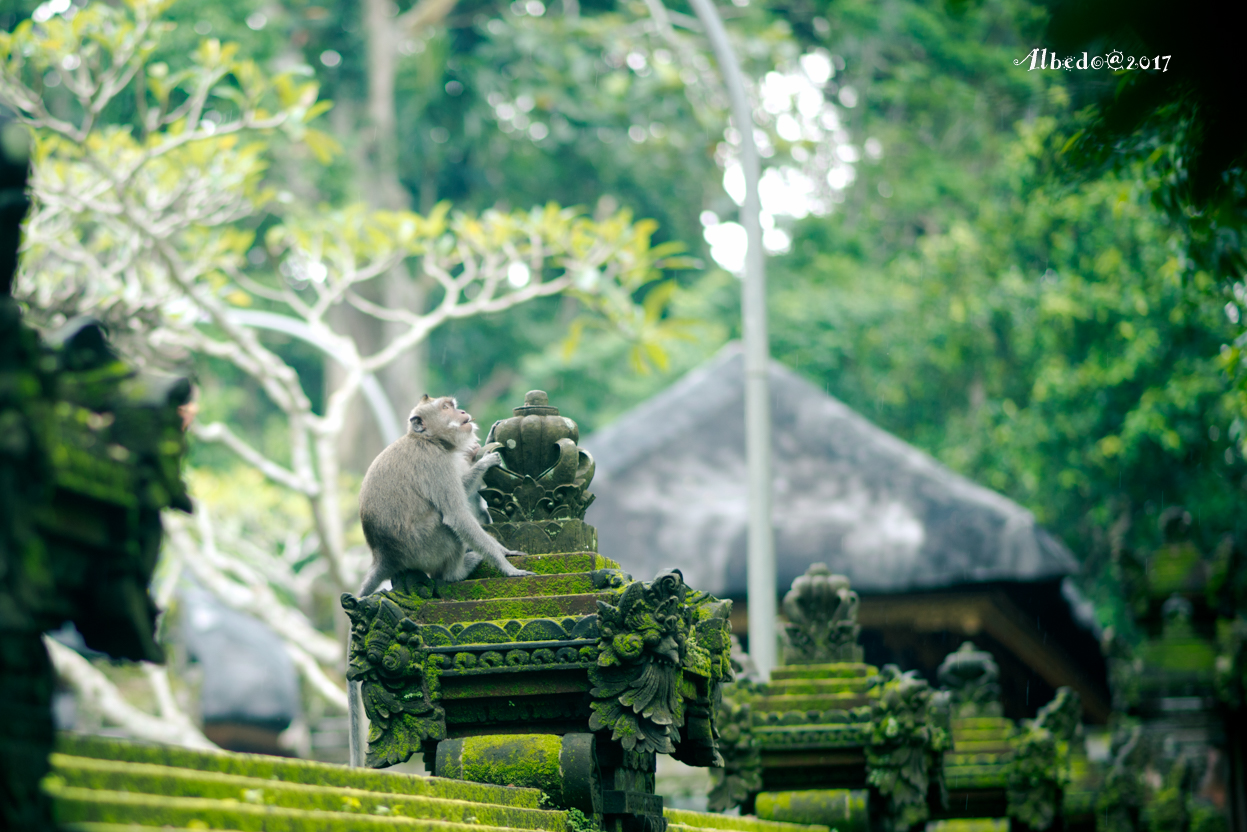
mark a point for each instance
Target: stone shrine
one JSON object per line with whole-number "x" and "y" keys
{"x": 570, "y": 680}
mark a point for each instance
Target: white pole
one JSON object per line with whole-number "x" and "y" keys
{"x": 761, "y": 545}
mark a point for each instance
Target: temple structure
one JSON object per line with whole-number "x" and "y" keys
{"x": 937, "y": 559}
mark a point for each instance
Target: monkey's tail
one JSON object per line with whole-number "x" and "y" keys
{"x": 355, "y": 741}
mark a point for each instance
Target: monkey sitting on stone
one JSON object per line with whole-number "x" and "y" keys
{"x": 418, "y": 503}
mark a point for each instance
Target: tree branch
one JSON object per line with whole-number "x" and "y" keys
{"x": 94, "y": 687}
{"x": 219, "y": 432}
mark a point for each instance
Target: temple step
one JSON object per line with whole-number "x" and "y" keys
{"x": 680, "y": 820}
{"x": 78, "y": 774}
{"x": 571, "y": 583}
{"x": 558, "y": 564}
{"x": 74, "y": 808}
{"x": 507, "y": 609}
{"x": 287, "y": 770}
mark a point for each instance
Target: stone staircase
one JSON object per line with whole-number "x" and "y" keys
{"x": 106, "y": 785}
{"x": 102, "y": 785}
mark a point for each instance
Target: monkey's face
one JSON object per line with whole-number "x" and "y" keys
{"x": 443, "y": 417}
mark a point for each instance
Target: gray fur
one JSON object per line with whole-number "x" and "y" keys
{"x": 418, "y": 503}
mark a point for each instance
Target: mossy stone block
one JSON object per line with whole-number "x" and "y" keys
{"x": 848, "y": 670}
{"x": 577, "y": 583}
{"x": 845, "y": 810}
{"x": 293, "y": 771}
{"x": 145, "y": 778}
{"x": 678, "y": 819}
{"x": 454, "y": 612}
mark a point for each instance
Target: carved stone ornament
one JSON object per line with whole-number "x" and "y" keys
{"x": 652, "y": 666}
{"x": 909, "y": 735}
{"x": 973, "y": 678}
{"x": 389, "y": 658}
{"x": 822, "y": 616}
{"x": 1040, "y": 768}
{"x": 546, "y": 473}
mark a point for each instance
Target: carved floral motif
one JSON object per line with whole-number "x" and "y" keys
{"x": 661, "y": 660}
{"x": 389, "y": 659}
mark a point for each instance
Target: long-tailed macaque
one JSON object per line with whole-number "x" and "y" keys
{"x": 418, "y": 503}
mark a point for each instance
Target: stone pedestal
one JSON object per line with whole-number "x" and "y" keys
{"x": 570, "y": 680}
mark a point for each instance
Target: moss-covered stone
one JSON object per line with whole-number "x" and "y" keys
{"x": 969, "y": 825}
{"x": 530, "y": 760}
{"x": 682, "y": 819}
{"x": 452, "y": 612}
{"x": 294, "y": 771}
{"x": 845, "y": 810}
{"x": 74, "y": 805}
{"x": 818, "y": 702}
{"x": 576, "y": 583}
{"x": 813, "y": 687}
{"x": 550, "y": 564}
{"x": 145, "y": 778}
{"x": 824, "y": 671}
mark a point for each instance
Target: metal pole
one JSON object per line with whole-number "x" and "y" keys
{"x": 761, "y": 545}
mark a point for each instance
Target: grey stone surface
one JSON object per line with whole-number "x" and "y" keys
{"x": 248, "y": 676}
{"x": 671, "y": 492}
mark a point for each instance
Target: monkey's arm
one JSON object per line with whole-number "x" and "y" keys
{"x": 474, "y": 477}
{"x": 458, "y": 516}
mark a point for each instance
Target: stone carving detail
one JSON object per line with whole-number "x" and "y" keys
{"x": 973, "y": 678}
{"x": 822, "y": 615}
{"x": 546, "y": 475}
{"x": 390, "y": 659}
{"x": 1040, "y": 768}
{"x": 909, "y": 734}
{"x": 651, "y": 668}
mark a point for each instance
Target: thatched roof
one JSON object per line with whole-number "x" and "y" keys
{"x": 671, "y": 492}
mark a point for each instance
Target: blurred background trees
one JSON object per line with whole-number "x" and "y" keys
{"x": 993, "y": 263}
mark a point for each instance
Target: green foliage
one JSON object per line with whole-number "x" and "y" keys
{"x": 578, "y": 821}
{"x": 1057, "y": 345}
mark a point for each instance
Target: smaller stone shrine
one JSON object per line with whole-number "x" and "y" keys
{"x": 830, "y": 739}
{"x": 570, "y": 680}
{"x": 994, "y": 768}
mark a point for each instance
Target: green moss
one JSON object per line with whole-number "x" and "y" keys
{"x": 807, "y": 687}
{"x": 576, "y": 583}
{"x": 969, "y": 825}
{"x": 451, "y": 612}
{"x": 292, "y": 771}
{"x": 73, "y": 806}
{"x": 844, "y": 809}
{"x": 106, "y": 776}
{"x": 530, "y": 760}
{"x": 818, "y": 702}
{"x": 681, "y": 820}
{"x": 844, "y": 670}
{"x": 550, "y": 564}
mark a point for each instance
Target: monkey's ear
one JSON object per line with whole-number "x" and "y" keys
{"x": 417, "y": 423}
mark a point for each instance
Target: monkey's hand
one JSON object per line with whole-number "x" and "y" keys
{"x": 515, "y": 571}
{"x": 491, "y": 459}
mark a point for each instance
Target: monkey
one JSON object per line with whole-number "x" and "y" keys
{"x": 418, "y": 503}
{"x": 420, "y": 509}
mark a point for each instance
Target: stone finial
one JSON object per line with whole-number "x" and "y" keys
{"x": 822, "y": 616}
{"x": 973, "y": 678}
{"x": 537, "y": 499}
